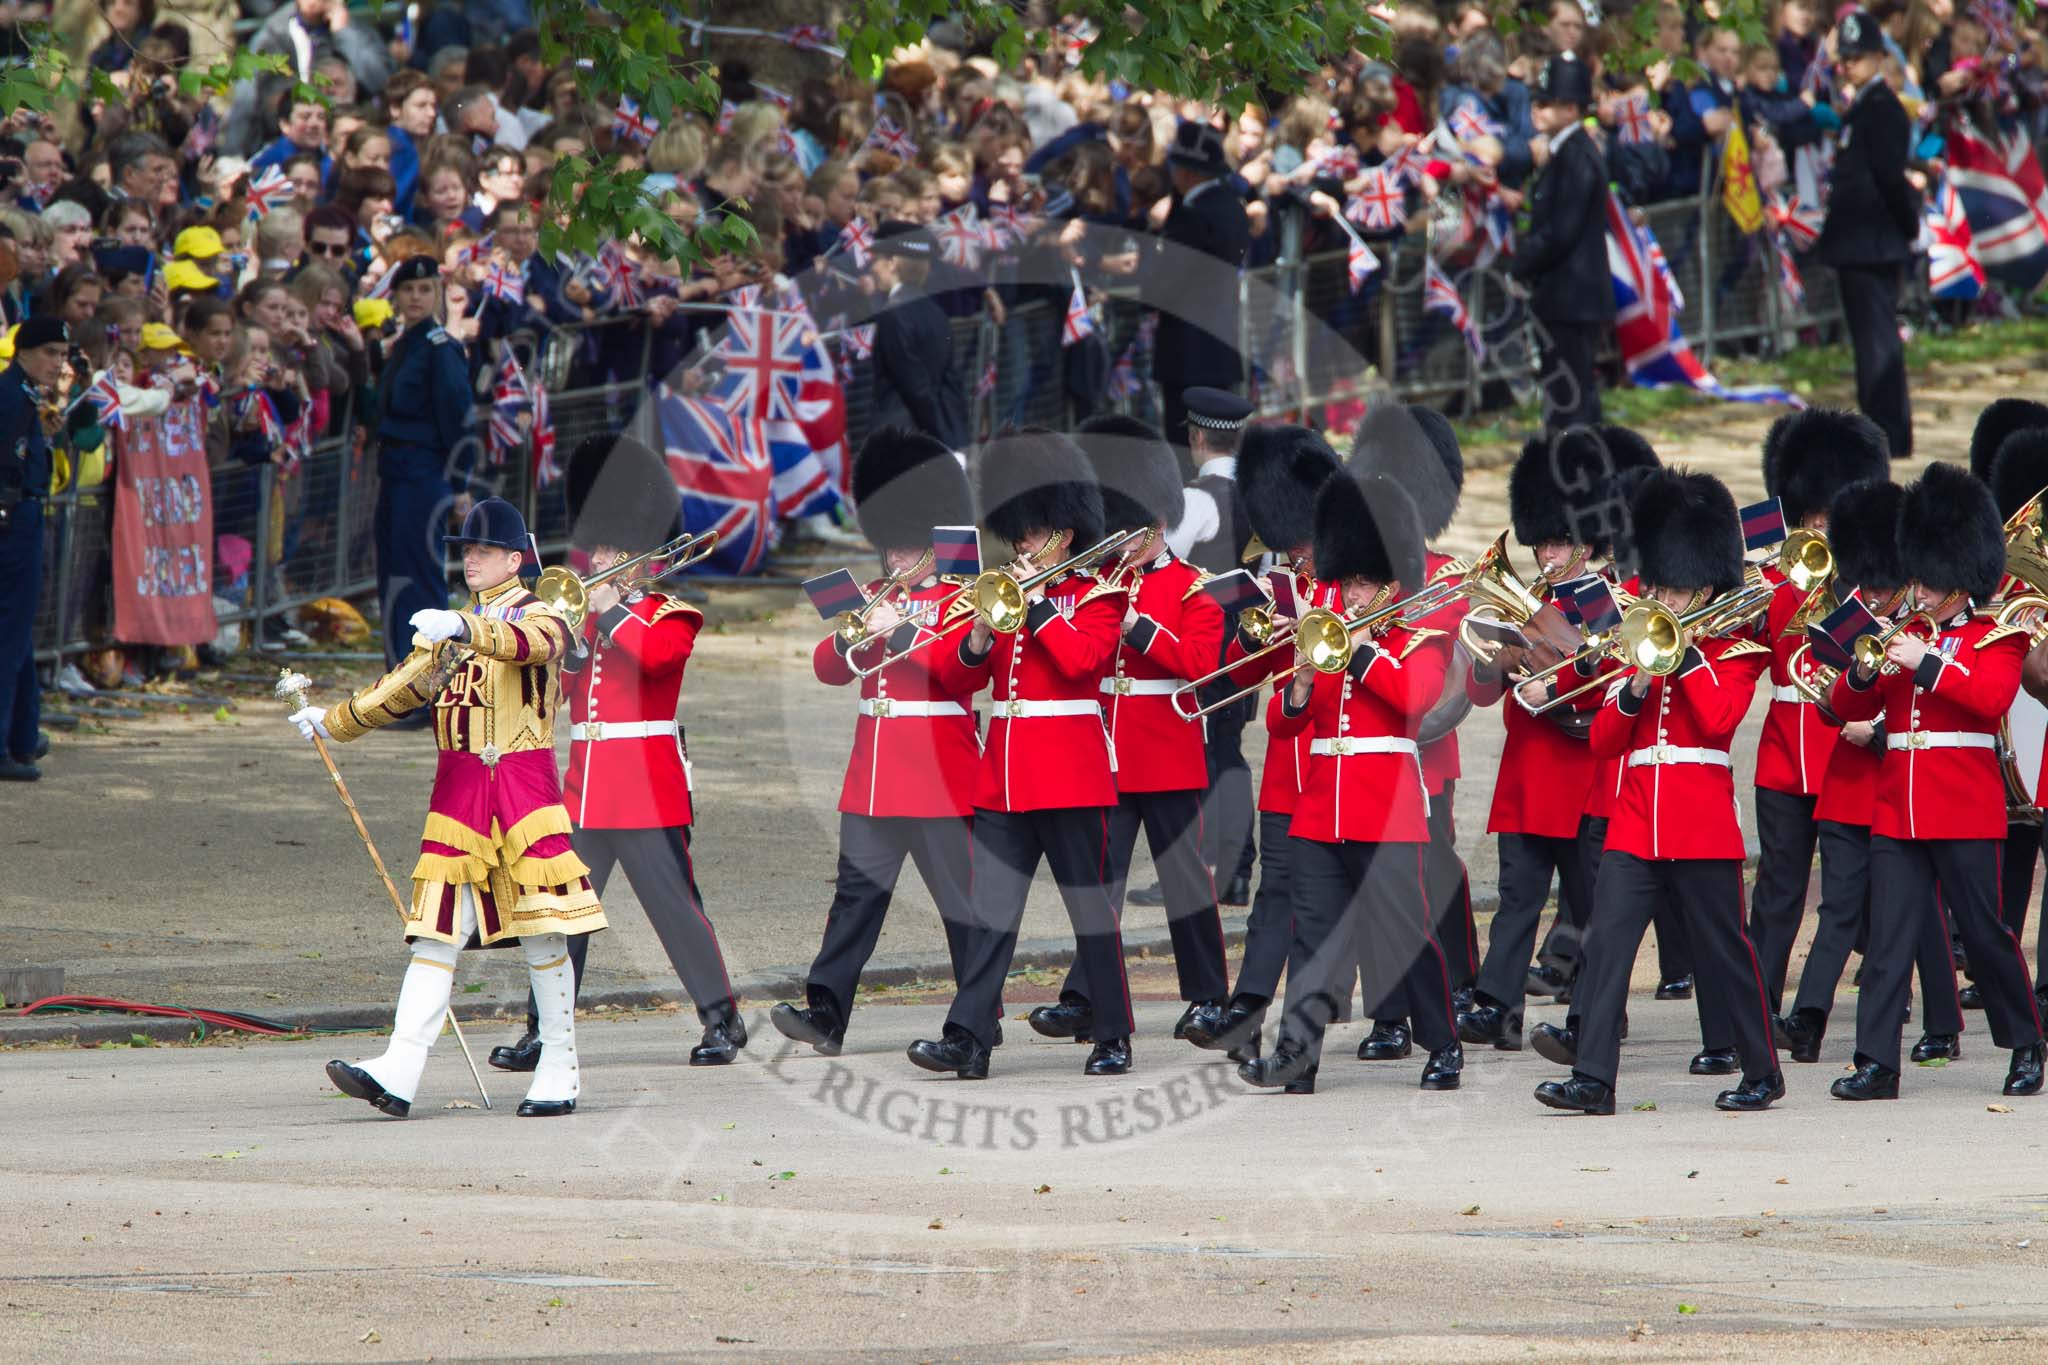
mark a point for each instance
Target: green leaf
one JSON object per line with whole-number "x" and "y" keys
{"x": 1646, "y": 1106}
{"x": 141, "y": 1040}
{"x": 1687, "y": 1308}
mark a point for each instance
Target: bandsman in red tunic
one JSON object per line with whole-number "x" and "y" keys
{"x": 1172, "y": 630}
{"x": 496, "y": 863}
{"x": 1674, "y": 837}
{"x": 1046, "y": 784}
{"x": 628, "y": 788}
{"x": 1863, "y": 533}
{"x": 1809, "y": 457}
{"x": 1280, "y": 470}
{"x": 909, "y": 789}
{"x": 1940, "y": 814}
{"x": 1362, "y": 822}
{"x": 1415, "y": 446}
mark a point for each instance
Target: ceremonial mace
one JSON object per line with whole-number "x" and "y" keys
{"x": 291, "y": 689}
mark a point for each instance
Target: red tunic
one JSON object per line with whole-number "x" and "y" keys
{"x": 1606, "y": 771}
{"x": 1947, "y": 784}
{"x": 1677, "y": 797}
{"x": 1440, "y": 757}
{"x": 1048, "y": 747}
{"x": 1793, "y": 754}
{"x": 1848, "y": 793}
{"x": 631, "y": 677}
{"x": 1177, "y": 637}
{"x": 1286, "y": 766}
{"x": 915, "y": 750}
{"x": 1545, "y": 774}
{"x": 1370, "y": 793}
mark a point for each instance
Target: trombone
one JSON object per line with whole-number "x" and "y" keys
{"x": 852, "y": 626}
{"x": 1324, "y": 636}
{"x": 567, "y": 593}
{"x": 1807, "y": 562}
{"x": 1653, "y": 639}
{"x": 998, "y": 600}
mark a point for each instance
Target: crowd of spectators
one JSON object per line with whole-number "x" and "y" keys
{"x": 151, "y": 224}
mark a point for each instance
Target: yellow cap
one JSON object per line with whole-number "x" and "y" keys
{"x": 200, "y": 243}
{"x": 372, "y": 312}
{"x": 157, "y": 337}
{"x": 7, "y": 341}
{"x": 185, "y": 275}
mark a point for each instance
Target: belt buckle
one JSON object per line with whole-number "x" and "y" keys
{"x": 881, "y": 708}
{"x": 1662, "y": 753}
{"x": 1121, "y": 686}
{"x": 490, "y": 755}
{"x": 1340, "y": 747}
{"x": 593, "y": 730}
{"x": 1916, "y": 739}
{"x": 1013, "y": 709}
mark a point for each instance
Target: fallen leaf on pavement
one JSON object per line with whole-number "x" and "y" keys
{"x": 1998, "y": 1108}
{"x": 370, "y": 1337}
{"x": 1469, "y": 1212}
{"x": 1646, "y": 1106}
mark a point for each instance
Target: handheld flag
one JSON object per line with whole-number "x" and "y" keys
{"x": 1834, "y": 640}
{"x": 1439, "y": 295}
{"x": 268, "y": 190}
{"x": 1738, "y": 181}
{"x": 1079, "y": 326}
{"x": 834, "y": 593}
{"x": 1763, "y": 524}
{"x": 957, "y": 550}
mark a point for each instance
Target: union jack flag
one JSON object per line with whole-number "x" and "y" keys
{"x": 1405, "y": 167}
{"x": 785, "y": 142}
{"x": 631, "y": 124}
{"x": 1008, "y": 225}
{"x": 1800, "y": 223}
{"x": 466, "y": 254}
{"x": 722, "y": 467}
{"x": 961, "y": 237}
{"x": 1360, "y": 264}
{"x": 620, "y": 274}
{"x": 2005, "y": 201}
{"x": 1341, "y": 162}
{"x": 1079, "y": 326}
{"x": 806, "y": 37}
{"x": 1439, "y": 295}
{"x": 504, "y": 282}
{"x": 1996, "y": 17}
{"x": 764, "y": 355}
{"x": 268, "y": 190}
{"x": 546, "y": 469}
{"x": 986, "y": 385}
{"x": 857, "y": 240}
{"x": 1952, "y": 268}
{"x": 1632, "y": 118}
{"x": 1788, "y": 272}
{"x": 1470, "y": 122}
{"x": 1074, "y": 36}
{"x": 1380, "y": 204}
{"x": 1123, "y": 376}
{"x": 892, "y": 138}
{"x": 264, "y": 408}
{"x": 726, "y": 110}
{"x": 107, "y": 398}
{"x": 511, "y": 399}
{"x": 860, "y": 341}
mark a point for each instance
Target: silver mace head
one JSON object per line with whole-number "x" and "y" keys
{"x": 292, "y": 686}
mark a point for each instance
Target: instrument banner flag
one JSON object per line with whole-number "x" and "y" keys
{"x": 1598, "y": 610}
{"x": 956, "y": 551}
{"x": 1235, "y": 591}
{"x": 1834, "y": 640}
{"x": 834, "y": 593}
{"x": 1763, "y": 524}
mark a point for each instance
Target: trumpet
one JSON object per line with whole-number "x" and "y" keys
{"x": 999, "y": 601}
{"x": 852, "y": 626}
{"x": 1807, "y": 562}
{"x": 568, "y": 593}
{"x": 1653, "y": 639}
{"x": 1324, "y": 637}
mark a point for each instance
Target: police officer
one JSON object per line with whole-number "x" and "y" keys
{"x": 916, "y": 383}
{"x": 1562, "y": 255}
{"x": 1197, "y": 343}
{"x": 1870, "y": 227}
{"x": 40, "y": 345}
{"x": 423, "y": 412}
{"x": 1213, "y": 534}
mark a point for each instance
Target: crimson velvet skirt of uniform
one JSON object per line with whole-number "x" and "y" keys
{"x": 502, "y": 831}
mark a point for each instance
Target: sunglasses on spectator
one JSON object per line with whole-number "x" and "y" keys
{"x": 327, "y": 248}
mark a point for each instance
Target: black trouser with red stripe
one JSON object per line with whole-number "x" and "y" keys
{"x": 1450, "y": 903}
{"x": 1786, "y": 835}
{"x": 871, "y": 854}
{"x": 1527, "y": 864}
{"x": 1008, "y": 846}
{"x": 1173, "y": 831}
{"x": 1364, "y": 902}
{"x": 1708, "y": 894}
{"x": 1904, "y": 876}
{"x": 657, "y": 863}
{"x": 1561, "y": 945}
{"x": 1844, "y": 917}
{"x": 1269, "y": 928}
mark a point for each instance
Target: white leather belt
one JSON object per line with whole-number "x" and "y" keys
{"x": 622, "y": 729}
{"x": 1792, "y": 695}
{"x": 882, "y": 708}
{"x": 1940, "y": 739}
{"x": 1141, "y": 687}
{"x": 1345, "y": 745}
{"x": 1021, "y": 710}
{"x": 1658, "y": 754}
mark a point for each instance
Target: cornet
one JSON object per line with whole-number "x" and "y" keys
{"x": 567, "y": 594}
{"x": 1653, "y": 639}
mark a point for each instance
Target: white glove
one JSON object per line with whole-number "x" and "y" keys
{"x": 309, "y": 722}
{"x": 437, "y": 625}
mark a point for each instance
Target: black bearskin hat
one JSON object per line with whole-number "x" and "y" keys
{"x": 1631, "y": 458}
{"x": 1688, "y": 533}
{"x": 1563, "y": 487}
{"x": 620, "y": 494}
{"x": 2020, "y": 469}
{"x": 1280, "y": 468}
{"x": 1031, "y": 479}
{"x": 1950, "y": 533}
{"x": 1415, "y": 447}
{"x": 1367, "y": 527}
{"x": 1811, "y": 455}
{"x": 904, "y": 484}
{"x": 1138, "y": 471}
{"x": 1863, "y": 531}
{"x": 2001, "y": 418}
